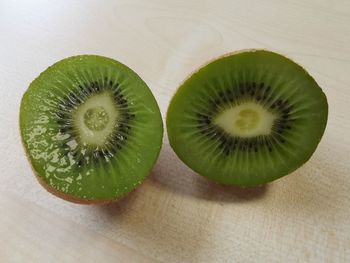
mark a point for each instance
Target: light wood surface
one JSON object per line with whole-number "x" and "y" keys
{"x": 176, "y": 215}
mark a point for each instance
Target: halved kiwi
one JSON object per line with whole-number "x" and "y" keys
{"x": 91, "y": 128}
{"x": 247, "y": 118}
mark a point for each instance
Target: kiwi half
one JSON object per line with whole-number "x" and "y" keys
{"x": 91, "y": 128}
{"x": 247, "y": 118}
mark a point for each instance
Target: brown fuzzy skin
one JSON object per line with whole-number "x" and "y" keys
{"x": 64, "y": 196}
{"x": 223, "y": 56}
{"x": 210, "y": 61}
{"x": 207, "y": 63}
{"x": 227, "y": 55}
{"x": 71, "y": 198}
{"x": 67, "y": 197}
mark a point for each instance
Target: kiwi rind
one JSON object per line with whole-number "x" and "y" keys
{"x": 186, "y": 151}
{"x": 152, "y": 107}
{"x": 68, "y": 197}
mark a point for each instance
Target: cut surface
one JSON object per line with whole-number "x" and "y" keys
{"x": 96, "y": 118}
{"x": 91, "y": 128}
{"x": 247, "y": 118}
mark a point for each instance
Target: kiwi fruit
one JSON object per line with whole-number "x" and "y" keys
{"x": 247, "y": 118}
{"x": 91, "y": 129}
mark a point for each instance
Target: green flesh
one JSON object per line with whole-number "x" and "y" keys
{"x": 247, "y": 118}
{"x": 91, "y": 128}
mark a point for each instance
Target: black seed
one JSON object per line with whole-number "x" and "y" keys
{"x": 88, "y": 89}
{"x": 69, "y": 129}
{"x": 231, "y": 98}
{"x": 85, "y": 92}
{"x": 127, "y": 116}
{"x": 74, "y": 99}
{"x": 61, "y": 122}
{"x": 212, "y": 134}
{"x": 112, "y": 151}
{"x": 283, "y": 120}
{"x": 229, "y": 143}
{"x": 80, "y": 162}
{"x": 116, "y": 87}
{"x": 223, "y": 141}
{"x": 123, "y": 106}
{"x": 199, "y": 115}
{"x": 60, "y": 115}
{"x": 67, "y": 103}
{"x": 95, "y": 155}
{"x": 270, "y": 149}
{"x": 203, "y": 121}
{"x": 109, "y": 153}
{"x": 116, "y": 93}
{"x": 232, "y": 147}
{"x": 202, "y": 131}
{"x": 255, "y": 149}
{"x": 93, "y": 87}
{"x": 97, "y": 86}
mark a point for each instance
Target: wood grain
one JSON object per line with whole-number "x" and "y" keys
{"x": 176, "y": 215}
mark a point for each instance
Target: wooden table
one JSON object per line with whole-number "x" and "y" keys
{"x": 176, "y": 215}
